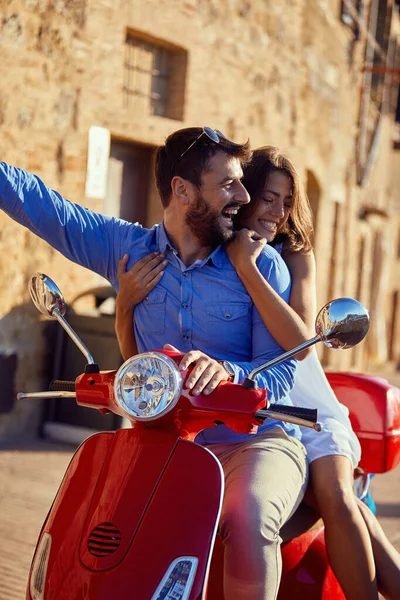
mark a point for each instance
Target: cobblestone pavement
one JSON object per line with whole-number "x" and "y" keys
{"x": 29, "y": 479}
{"x": 30, "y": 476}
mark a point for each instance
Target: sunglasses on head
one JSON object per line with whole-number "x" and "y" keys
{"x": 213, "y": 134}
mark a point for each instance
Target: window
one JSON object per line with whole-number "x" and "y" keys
{"x": 154, "y": 77}
{"x": 379, "y": 58}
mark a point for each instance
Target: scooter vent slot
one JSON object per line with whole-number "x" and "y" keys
{"x": 104, "y": 540}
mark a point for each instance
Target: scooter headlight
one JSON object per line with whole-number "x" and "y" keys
{"x": 148, "y": 386}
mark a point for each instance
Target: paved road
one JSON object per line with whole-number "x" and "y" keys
{"x": 30, "y": 476}
{"x": 29, "y": 479}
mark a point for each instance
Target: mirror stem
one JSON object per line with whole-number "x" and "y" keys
{"x": 75, "y": 338}
{"x": 249, "y": 383}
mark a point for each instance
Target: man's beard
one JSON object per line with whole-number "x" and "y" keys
{"x": 205, "y": 224}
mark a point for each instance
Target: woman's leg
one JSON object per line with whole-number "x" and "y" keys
{"x": 347, "y": 539}
{"x": 265, "y": 480}
{"x": 387, "y": 559}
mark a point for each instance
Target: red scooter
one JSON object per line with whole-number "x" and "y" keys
{"x": 131, "y": 518}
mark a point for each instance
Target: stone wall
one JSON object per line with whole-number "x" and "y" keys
{"x": 286, "y": 73}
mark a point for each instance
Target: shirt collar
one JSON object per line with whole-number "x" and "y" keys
{"x": 163, "y": 242}
{"x": 216, "y": 257}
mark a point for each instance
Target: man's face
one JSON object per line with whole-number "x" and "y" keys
{"x": 221, "y": 195}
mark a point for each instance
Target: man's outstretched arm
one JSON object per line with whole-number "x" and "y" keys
{"x": 90, "y": 239}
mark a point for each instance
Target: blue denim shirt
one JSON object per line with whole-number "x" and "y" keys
{"x": 204, "y": 306}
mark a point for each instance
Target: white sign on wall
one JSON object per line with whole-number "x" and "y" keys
{"x": 97, "y": 164}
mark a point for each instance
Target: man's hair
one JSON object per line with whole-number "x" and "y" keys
{"x": 298, "y": 229}
{"x": 191, "y": 166}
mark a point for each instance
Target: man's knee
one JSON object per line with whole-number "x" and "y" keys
{"x": 249, "y": 518}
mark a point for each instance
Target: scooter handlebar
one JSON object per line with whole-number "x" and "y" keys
{"x": 305, "y": 417}
{"x": 60, "y": 385}
{"x": 310, "y": 414}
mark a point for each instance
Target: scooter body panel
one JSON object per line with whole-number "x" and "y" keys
{"x": 151, "y": 502}
{"x": 127, "y": 481}
{"x": 306, "y": 574}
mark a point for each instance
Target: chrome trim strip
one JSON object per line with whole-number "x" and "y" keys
{"x": 203, "y": 596}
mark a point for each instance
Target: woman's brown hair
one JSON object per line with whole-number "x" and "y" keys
{"x": 297, "y": 232}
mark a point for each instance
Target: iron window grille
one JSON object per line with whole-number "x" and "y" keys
{"x": 154, "y": 77}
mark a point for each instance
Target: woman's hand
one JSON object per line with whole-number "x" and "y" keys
{"x": 245, "y": 248}
{"x": 140, "y": 279}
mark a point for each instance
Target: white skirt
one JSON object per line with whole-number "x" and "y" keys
{"x": 312, "y": 390}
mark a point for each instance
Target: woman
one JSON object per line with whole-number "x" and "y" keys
{"x": 279, "y": 213}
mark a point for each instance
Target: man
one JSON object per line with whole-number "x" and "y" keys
{"x": 202, "y": 308}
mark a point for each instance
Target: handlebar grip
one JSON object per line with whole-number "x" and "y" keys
{"x": 309, "y": 414}
{"x": 60, "y": 385}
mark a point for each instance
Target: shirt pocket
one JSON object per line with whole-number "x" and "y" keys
{"x": 230, "y": 320}
{"x": 153, "y": 309}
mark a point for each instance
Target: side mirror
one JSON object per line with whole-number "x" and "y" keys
{"x": 46, "y": 296}
{"x": 50, "y": 302}
{"x": 340, "y": 324}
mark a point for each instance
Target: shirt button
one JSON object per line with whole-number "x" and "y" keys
{"x": 227, "y": 316}
{"x": 185, "y": 274}
{"x": 185, "y": 337}
{"x": 184, "y": 305}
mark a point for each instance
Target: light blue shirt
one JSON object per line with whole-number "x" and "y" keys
{"x": 204, "y": 306}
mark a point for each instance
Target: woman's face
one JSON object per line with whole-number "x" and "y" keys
{"x": 273, "y": 208}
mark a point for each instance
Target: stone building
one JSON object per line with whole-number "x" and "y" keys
{"x": 89, "y": 89}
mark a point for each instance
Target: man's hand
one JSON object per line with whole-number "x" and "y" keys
{"x": 206, "y": 374}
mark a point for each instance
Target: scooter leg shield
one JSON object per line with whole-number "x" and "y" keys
{"x": 143, "y": 528}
